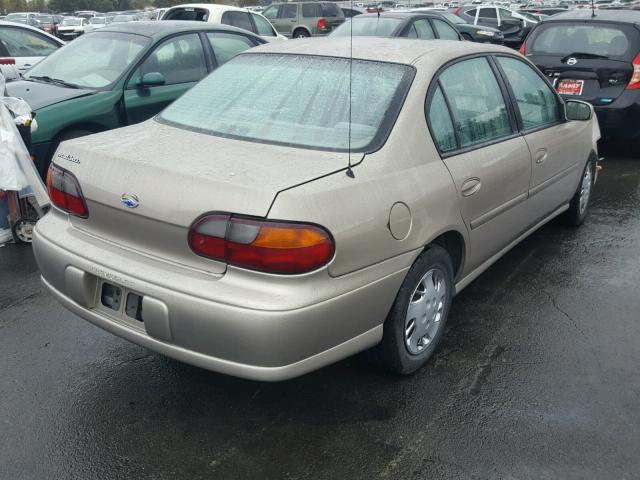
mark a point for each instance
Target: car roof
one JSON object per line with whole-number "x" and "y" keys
{"x": 398, "y": 15}
{"x": 208, "y": 6}
{"x": 162, "y": 28}
{"x": 622, "y": 16}
{"x": 396, "y": 50}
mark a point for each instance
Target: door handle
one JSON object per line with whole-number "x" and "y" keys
{"x": 470, "y": 186}
{"x": 541, "y": 156}
{"x": 25, "y": 66}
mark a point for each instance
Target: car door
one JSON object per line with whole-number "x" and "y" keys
{"x": 557, "y": 147}
{"x": 25, "y": 46}
{"x": 287, "y": 18}
{"x": 488, "y": 16}
{"x": 180, "y": 60}
{"x": 474, "y": 128}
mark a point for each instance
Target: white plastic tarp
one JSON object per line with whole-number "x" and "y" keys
{"x": 17, "y": 170}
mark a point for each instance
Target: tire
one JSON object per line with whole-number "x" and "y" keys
{"x": 466, "y": 37}
{"x": 301, "y": 33}
{"x": 579, "y": 206}
{"x": 399, "y": 353}
{"x": 23, "y": 229}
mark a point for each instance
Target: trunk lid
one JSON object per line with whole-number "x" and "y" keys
{"x": 589, "y": 60}
{"x": 174, "y": 176}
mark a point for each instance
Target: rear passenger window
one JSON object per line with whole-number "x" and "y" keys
{"x": 311, "y": 10}
{"x": 441, "y": 125}
{"x": 445, "y": 31}
{"x": 536, "y": 101}
{"x": 423, "y": 29}
{"x": 264, "y": 27}
{"x": 488, "y": 13}
{"x": 237, "y": 19}
{"x": 289, "y": 11}
{"x": 226, "y": 45}
{"x": 271, "y": 13}
{"x": 477, "y": 105}
{"x": 330, "y": 10}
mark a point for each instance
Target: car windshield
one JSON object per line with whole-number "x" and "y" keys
{"x": 296, "y": 100}
{"x": 453, "y": 18}
{"x": 596, "y": 39}
{"x": 71, "y": 22}
{"x": 368, "y": 27}
{"x": 94, "y": 60}
{"x": 123, "y": 18}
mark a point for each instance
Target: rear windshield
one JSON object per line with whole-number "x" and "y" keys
{"x": 368, "y": 27}
{"x": 296, "y": 100}
{"x": 197, "y": 14}
{"x": 607, "y": 40}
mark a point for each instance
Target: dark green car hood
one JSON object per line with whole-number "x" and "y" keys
{"x": 40, "y": 95}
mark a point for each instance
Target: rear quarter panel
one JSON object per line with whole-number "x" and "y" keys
{"x": 356, "y": 211}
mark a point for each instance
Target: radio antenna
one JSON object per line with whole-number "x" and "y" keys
{"x": 349, "y": 169}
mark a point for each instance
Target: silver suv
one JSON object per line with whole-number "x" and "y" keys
{"x": 304, "y": 19}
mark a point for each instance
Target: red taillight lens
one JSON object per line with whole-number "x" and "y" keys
{"x": 523, "y": 48}
{"x": 322, "y": 24}
{"x": 634, "y": 83}
{"x": 7, "y": 61}
{"x": 65, "y": 193}
{"x": 264, "y": 245}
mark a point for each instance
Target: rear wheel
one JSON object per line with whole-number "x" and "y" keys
{"x": 301, "y": 33}
{"x": 579, "y": 206}
{"x": 418, "y": 316}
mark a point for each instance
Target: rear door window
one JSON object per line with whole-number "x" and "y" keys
{"x": 271, "y": 13}
{"x": 606, "y": 40}
{"x": 237, "y": 19}
{"x": 441, "y": 124}
{"x": 227, "y": 45}
{"x": 289, "y": 10}
{"x": 311, "y": 10}
{"x": 537, "y": 103}
{"x": 488, "y": 13}
{"x": 445, "y": 31}
{"x": 186, "y": 13}
{"x": 477, "y": 105}
{"x": 423, "y": 29}
{"x": 264, "y": 27}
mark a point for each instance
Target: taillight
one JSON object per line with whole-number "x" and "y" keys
{"x": 263, "y": 245}
{"x": 7, "y": 61}
{"x": 523, "y": 48}
{"x": 65, "y": 193}
{"x": 322, "y": 24}
{"x": 634, "y": 83}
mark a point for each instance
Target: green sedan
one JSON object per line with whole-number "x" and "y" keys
{"x": 121, "y": 75}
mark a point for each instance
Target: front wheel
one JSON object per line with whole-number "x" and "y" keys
{"x": 579, "y": 206}
{"x": 418, "y": 316}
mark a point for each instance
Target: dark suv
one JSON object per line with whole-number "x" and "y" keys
{"x": 595, "y": 59}
{"x": 304, "y": 19}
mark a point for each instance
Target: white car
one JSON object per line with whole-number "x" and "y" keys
{"x": 22, "y": 46}
{"x": 71, "y": 27}
{"x": 227, "y": 15}
{"x": 95, "y": 23}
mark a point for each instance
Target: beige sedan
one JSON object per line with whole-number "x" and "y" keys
{"x": 297, "y": 207}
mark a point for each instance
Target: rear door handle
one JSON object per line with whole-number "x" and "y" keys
{"x": 541, "y": 155}
{"x": 470, "y": 186}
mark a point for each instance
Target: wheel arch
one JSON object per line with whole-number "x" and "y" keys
{"x": 455, "y": 245}
{"x": 300, "y": 27}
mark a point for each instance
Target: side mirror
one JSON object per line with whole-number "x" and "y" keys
{"x": 151, "y": 79}
{"x": 578, "y": 110}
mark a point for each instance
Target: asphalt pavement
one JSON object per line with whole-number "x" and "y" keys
{"x": 536, "y": 378}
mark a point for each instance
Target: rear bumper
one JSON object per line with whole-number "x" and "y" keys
{"x": 260, "y": 327}
{"x": 621, "y": 119}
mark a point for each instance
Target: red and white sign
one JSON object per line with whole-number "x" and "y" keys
{"x": 570, "y": 87}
